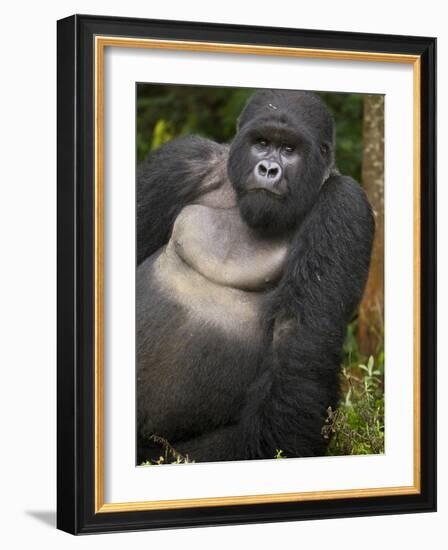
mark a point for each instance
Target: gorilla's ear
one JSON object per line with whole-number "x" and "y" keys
{"x": 327, "y": 151}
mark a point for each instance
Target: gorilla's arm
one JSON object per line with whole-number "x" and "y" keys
{"x": 323, "y": 283}
{"x": 169, "y": 178}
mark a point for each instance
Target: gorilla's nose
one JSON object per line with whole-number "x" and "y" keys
{"x": 268, "y": 172}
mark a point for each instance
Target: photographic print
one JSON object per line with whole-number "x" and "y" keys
{"x": 259, "y": 280}
{"x": 246, "y": 274}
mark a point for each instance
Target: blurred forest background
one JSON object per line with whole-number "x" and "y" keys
{"x": 165, "y": 112}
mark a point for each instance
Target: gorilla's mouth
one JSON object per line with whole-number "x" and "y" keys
{"x": 268, "y": 213}
{"x": 277, "y": 194}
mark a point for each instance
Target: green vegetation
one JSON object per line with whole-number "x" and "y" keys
{"x": 347, "y": 110}
{"x": 357, "y": 426}
{"x": 168, "y": 111}
{"x": 170, "y": 454}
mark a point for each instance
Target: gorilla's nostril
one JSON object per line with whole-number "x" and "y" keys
{"x": 273, "y": 172}
{"x": 262, "y": 169}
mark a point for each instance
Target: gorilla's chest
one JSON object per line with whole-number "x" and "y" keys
{"x": 218, "y": 245}
{"x": 218, "y": 269}
{"x": 200, "y": 303}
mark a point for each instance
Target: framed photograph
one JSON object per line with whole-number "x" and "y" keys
{"x": 246, "y": 274}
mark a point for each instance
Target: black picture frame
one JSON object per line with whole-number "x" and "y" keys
{"x": 76, "y": 405}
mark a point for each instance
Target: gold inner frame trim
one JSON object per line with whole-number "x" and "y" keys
{"x": 101, "y": 42}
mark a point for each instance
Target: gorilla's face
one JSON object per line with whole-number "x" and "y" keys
{"x": 276, "y": 159}
{"x": 280, "y": 157}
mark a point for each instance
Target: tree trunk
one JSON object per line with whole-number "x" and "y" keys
{"x": 371, "y": 312}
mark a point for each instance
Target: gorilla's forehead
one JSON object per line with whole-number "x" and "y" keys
{"x": 298, "y": 110}
{"x": 282, "y": 127}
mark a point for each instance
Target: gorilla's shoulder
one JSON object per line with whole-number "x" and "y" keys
{"x": 188, "y": 149}
{"x": 181, "y": 169}
{"x": 343, "y": 192}
{"x": 170, "y": 177}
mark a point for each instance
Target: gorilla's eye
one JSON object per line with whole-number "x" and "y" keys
{"x": 262, "y": 143}
{"x": 288, "y": 149}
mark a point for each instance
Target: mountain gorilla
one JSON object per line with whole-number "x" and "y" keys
{"x": 251, "y": 260}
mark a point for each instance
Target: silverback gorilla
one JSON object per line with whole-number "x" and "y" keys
{"x": 251, "y": 260}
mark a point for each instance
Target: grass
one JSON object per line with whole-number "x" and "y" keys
{"x": 170, "y": 454}
{"x": 356, "y": 427}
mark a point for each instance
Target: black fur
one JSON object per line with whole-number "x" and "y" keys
{"x": 280, "y": 389}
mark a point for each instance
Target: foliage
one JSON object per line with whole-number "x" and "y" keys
{"x": 168, "y": 111}
{"x": 279, "y": 454}
{"x": 347, "y": 110}
{"x": 170, "y": 454}
{"x": 357, "y": 425}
